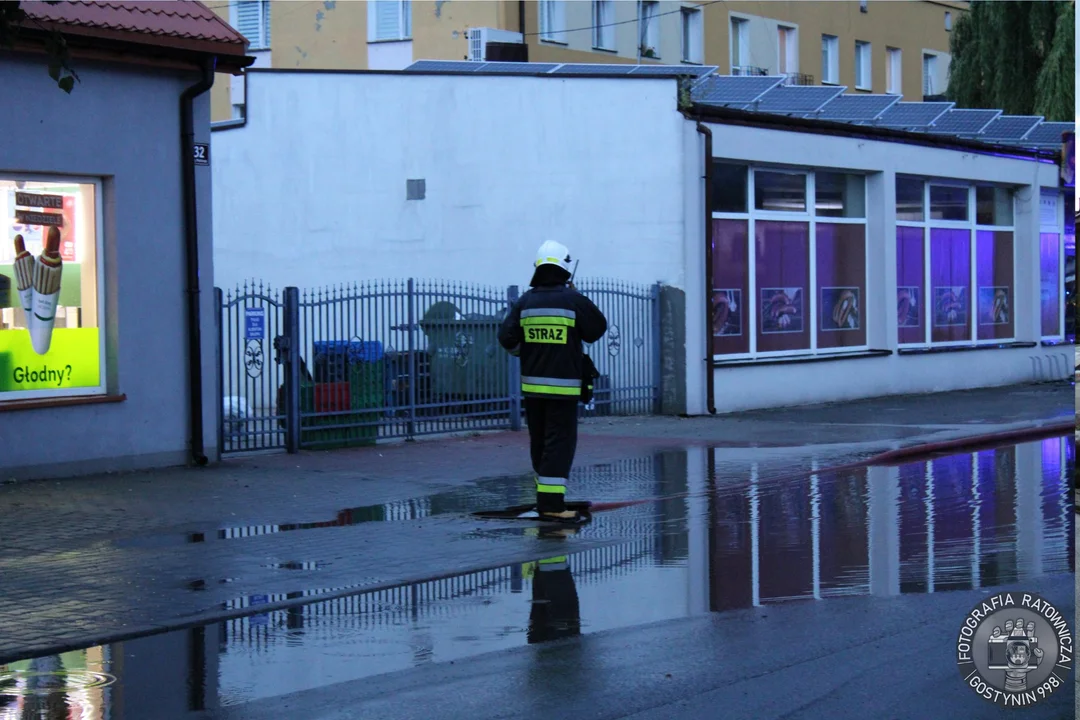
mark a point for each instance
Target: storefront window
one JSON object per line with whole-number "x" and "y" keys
{"x": 731, "y": 288}
{"x": 840, "y": 195}
{"x": 50, "y": 289}
{"x": 950, "y": 285}
{"x": 779, "y": 191}
{"x": 1070, "y": 277}
{"x": 841, "y": 285}
{"x": 1050, "y": 283}
{"x": 993, "y": 206}
{"x": 910, "y": 199}
{"x": 948, "y": 202}
{"x": 994, "y": 282}
{"x": 783, "y": 280}
{"x": 729, "y": 187}
{"x": 910, "y": 281}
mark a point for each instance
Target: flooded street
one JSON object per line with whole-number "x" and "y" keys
{"x": 718, "y": 546}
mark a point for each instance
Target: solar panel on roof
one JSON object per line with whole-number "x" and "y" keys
{"x": 1048, "y": 133}
{"x": 857, "y": 107}
{"x": 449, "y": 66}
{"x": 517, "y": 67}
{"x": 1010, "y": 127}
{"x": 695, "y": 70}
{"x": 963, "y": 122}
{"x": 593, "y": 69}
{"x": 731, "y": 90}
{"x": 913, "y": 114}
{"x": 786, "y": 100}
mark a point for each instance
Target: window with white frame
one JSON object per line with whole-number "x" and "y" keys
{"x": 789, "y": 262}
{"x": 1052, "y": 265}
{"x": 553, "y": 20}
{"x": 740, "y": 43}
{"x": 692, "y": 35}
{"x": 251, "y": 18}
{"x": 649, "y": 24}
{"x": 603, "y": 18}
{"x": 830, "y": 59}
{"x": 929, "y": 74}
{"x": 389, "y": 20}
{"x": 864, "y": 79}
{"x": 894, "y": 71}
{"x": 787, "y": 47}
{"x": 955, "y": 271}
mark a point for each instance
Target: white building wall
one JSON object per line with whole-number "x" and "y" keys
{"x": 312, "y": 190}
{"x": 777, "y": 385}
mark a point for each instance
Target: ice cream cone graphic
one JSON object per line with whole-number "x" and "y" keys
{"x": 47, "y": 272}
{"x": 24, "y": 277}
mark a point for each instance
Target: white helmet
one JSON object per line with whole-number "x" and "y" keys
{"x": 553, "y": 253}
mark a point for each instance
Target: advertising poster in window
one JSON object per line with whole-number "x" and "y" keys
{"x": 49, "y": 290}
{"x": 782, "y": 310}
{"x": 727, "y": 312}
{"x": 950, "y": 306}
{"x": 907, "y": 307}
{"x": 994, "y": 308}
{"x": 840, "y": 309}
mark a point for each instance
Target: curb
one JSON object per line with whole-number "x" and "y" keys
{"x": 971, "y": 443}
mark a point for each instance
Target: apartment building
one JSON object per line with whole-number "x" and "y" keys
{"x": 879, "y": 46}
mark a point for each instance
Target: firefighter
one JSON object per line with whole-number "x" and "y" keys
{"x": 546, "y": 328}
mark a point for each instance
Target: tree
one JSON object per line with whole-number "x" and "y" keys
{"x": 1017, "y": 56}
{"x": 13, "y": 20}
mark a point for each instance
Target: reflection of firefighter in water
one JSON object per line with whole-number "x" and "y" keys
{"x": 555, "y": 613}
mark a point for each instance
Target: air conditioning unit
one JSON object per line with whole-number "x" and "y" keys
{"x": 480, "y": 37}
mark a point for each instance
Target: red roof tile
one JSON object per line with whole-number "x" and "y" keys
{"x": 162, "y": 22}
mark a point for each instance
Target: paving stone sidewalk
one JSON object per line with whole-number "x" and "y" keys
{"x": 85, "y": 560}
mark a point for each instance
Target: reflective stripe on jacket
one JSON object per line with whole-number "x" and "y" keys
{"x": 546, "y": 328}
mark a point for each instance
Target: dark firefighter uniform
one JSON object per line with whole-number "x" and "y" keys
{"x": 555, "y": 613}
{"x": 546, "y": 328}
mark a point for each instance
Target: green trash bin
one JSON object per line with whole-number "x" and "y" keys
{"x": 466, "y": 358}
{"x": 366, "y": 392}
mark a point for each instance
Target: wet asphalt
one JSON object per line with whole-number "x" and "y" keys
{"x": 749, "y": 595}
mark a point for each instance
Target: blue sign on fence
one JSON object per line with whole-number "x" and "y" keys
{"x": 254, "y": 323}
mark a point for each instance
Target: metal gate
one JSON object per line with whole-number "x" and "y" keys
{"x": 351, "y": 365}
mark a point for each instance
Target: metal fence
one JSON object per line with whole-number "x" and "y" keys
{"x": 351, "y": 365}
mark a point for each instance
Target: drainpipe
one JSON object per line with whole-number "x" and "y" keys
{"x": 707, "y": 176}
{"x": 191, "y": 247}
{"x": 521, "y": 21}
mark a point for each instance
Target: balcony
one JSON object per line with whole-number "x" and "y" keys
{"x": 748, "y": 70}
{"x": 798, "y": 79}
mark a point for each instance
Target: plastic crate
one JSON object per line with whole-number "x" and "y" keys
{"x": 364, "y": 390}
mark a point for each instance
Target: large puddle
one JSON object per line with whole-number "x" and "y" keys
{"x": 952, "y": 523}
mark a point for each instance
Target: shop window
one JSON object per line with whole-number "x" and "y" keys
{"x": 731, "y": 288}
{"x": 779, "y": 191}
{"x": 948, "y": 202}
{"x": 782, "y": 281}
{"x": 910, "y": 282}
{"x": 950, "y": 285}
{"x": 840, "y": 195}
{"x": 1070, "y": 277}
{"x": 909, "y": 200}
{"x": 993, "y": 206}
{"x": 841, "y": 285}
{"x": 994, "y": 285}
{"x": 729, "y": 187}
{"x": 50, "y": 289}
{"x": 1050, "y": 283}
